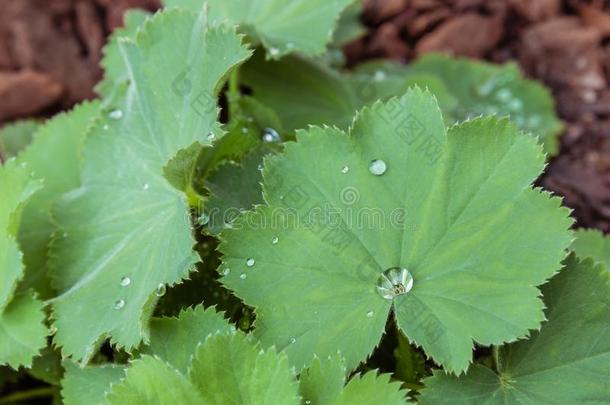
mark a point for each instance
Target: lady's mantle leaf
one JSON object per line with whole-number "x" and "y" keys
{"x": 455, "y": 211}
{"x": 226, "y": 370}
{"x": 567, "y": 362}
{"x": 15, "y": 137}
{"x": 175, "y": 339}
{"x": 22, "y": 332}
{"x": 283, "y": 26}
{"x": 89, "y": 385}
{"x": 127, "y": 229}
{"x": 592, "y": 243}
{"x": 323, "y": 384}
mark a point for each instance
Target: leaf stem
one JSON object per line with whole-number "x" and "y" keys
{"x": 26, "y": 395}
{"x": 495, "y": 352}
{"x": 233, "y": 93}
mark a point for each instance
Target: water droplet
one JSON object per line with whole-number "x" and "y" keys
{"x": 211, "y": 136}
{"x": 307, "y": 402}
{"x": 203, "y": 219}
{"x": 161, "y": 290}
{"x": 275, "y": 240}
{"x": 293, "y": 340}
{"x": 243, "y": 276}
{"x": 370, "y": 314}
{"x": 226, "y": 271}
{"x": 119, "y": 304}
{"x": 379, "y": 76}
{"x": 504, "y": 95}
{"x": 250, "y": 262}
{"x": 271, "y": 135}
{"x": 377, "y": 167}
{"x": 344, "y": 169}
{"x": 116, "y": 114}
{"x": 106, "y": 127}
{"x": 146, "y": 186}
{"x": 65, "y": 234}
{"x": 274, "y": 51}
{"x": 260, "y": 167}
{"x": 244, "y": 130}
{"x": 394, "y": 281}
{"x": 125, "y": 281}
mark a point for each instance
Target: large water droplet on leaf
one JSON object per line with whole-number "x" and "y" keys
{"x": 250, "y": 262}
{"x": 394, "y": 281}
{"x": 271, "y": 135}
{"x": 377, "y": 167}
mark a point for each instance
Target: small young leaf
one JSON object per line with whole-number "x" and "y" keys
{"x": 400, "y": 197}
{"x": 567, "y": 362}
{"x": 371, "y": 388}
{"x": 89, "y": 385}
{"x": 283, "y": 27}
{"x": 151, "y": 381}
{"x": 230, "y": 369}
{"x": 592, "y": 243}
{"x": 322, "y": 382}
{"x": 174, "y": 340}
{"x": 127, "y": 220}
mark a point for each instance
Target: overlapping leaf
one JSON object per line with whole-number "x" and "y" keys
{"x": 226, "y": 369}
{"x": 567, "y": 362}
{"x": 89, "y": 385}
{"x": 22, "y": 332}
{"x": 323, "y": 383}
{"x": 126, "y": 231}
{"x": 592, "y": 243}
{"x": 457, "y": 211}
{"x": 282, "y": 26}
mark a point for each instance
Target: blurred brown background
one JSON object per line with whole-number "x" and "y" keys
{"x": 50, "y": 52}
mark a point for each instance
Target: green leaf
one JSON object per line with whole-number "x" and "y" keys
{"x": 233, "y": 188}
{"x": 322, "y": 382}
{"x": 47, "y": 366}
{"x": 567, "y": 362}
{"x": 226, "y": 369}
{"x": 53, "y": 157}
{"x": 15, "y": 137}
{"x": 22, "y": 331}
{"x": 230, "y": 369}
{"x": 89, "y": 385}
{"x": 174, "y": 340}
{"x": 372, "y": 388}
{"x": 115, "y": 71}
{"x": 151, "y": 381}
{"x": 17, "y": 187}
{"x": 127, "y": 221}
{"x": 283, "y": 27}
{"x": 349, "y": 27}
{"x": 456, "y": 211}
{"x": 410, "y": 363}
{"x": 484, "y": 88}
{"x": 592, "y": 243}
{"x": 301, "y": 91}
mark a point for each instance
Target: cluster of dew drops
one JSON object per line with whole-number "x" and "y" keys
{"x": 126, "y": 282}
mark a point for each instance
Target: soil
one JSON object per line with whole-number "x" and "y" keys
{"x": 50, "y": 52}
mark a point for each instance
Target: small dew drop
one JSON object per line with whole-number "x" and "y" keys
{"x": 307, "y": 402}
{"x": 226, "y": 271}
{"x": 211, "y": 136}
{"x": 119, "y": 304}
{"x": 515, "y": 104}
{"x": 250, "y": 262}
{"x": 116, "y": 114}
{"x": 394, "y": 281}
{"x": 161, "y": 290}
{"x": 377, "y": 167}
{"x": 274, "y": 51}
{"x": 345, "y": 169}
{"x": 65, "y": 234}
{"x": 271, "y": 135}
{"x": 125, "y": 281}
{"x": 244, "y": 130}
{"x": 293, "y": 340}
{"x": 259, "y": 167}
{"x": 243, "y": 276}
{"x": 106, "y": 127}
{"x": 379, "y": 76}
{"x": 146, "y": 186}
{"x": 370, "y": 314}
{"x": 275, "y": 240}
